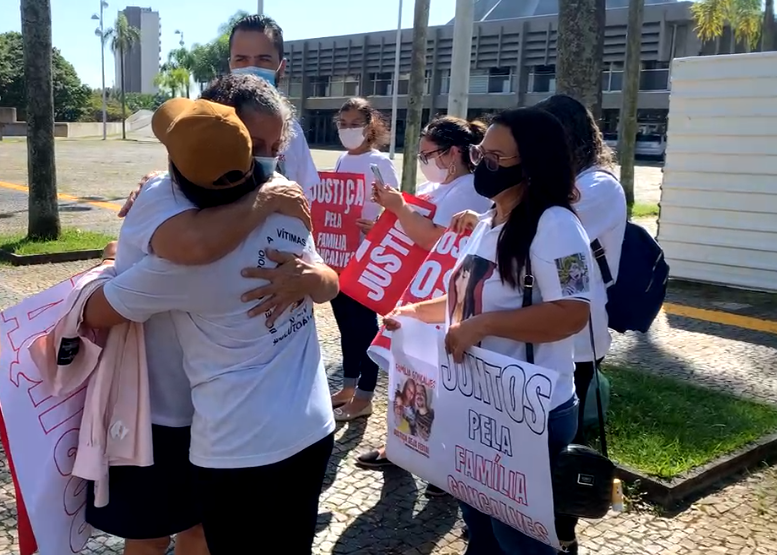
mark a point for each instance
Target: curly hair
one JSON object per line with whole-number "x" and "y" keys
{"x": 585, "y": 139}
{"x": 378, "y": 133}
{"x": 246, "y": 92}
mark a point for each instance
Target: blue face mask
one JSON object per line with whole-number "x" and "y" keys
{"x": 268, "y": 165}
{"x": 260, "y": 72}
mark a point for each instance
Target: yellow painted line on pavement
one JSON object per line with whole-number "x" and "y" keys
{"x": 62, "y": 196}
{"x": 725, "y": 318}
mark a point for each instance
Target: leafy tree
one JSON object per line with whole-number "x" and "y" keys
{"x": 173, "y": 79}
{"x": 744, "y": 17}
{"x": 177, "y": 71}
{"x": 210, "y": 60}
{"x": 71, "y": 97}
{"x": 123, "y": 36}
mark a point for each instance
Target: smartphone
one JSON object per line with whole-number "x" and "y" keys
{"x": 378, "y": 177}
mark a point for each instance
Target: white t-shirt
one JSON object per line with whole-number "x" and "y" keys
{"x": 171, "y": 401}
{"x": 296, "y": 164}
{"x": 454, "y": 197}
{"x": 562, "y": 266}
{"x": 260, "y": 394}
{"x": 360, "y": 164}
{"x": 602, "y": 211}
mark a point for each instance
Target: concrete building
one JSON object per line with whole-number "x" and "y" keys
{"x": 142, "y": 61}
{"x": 513, "y": 64}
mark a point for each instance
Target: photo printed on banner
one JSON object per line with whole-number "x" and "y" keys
{"x": 465, "y": 292}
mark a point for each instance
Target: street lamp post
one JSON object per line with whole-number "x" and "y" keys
{"x": 181, "y": 42}
{"x": 260, "y": 7}
{"x": 100, "y": 32}
{"x": 458, "y": 91}
{"x": 395, "y": 86}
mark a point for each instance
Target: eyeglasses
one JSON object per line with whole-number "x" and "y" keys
{"x": 424, "y": 157}
{"x": 492, "y": 160}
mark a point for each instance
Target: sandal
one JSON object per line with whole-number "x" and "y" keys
{"x": 373, "y": 460}
{"x": 342, "y": 415}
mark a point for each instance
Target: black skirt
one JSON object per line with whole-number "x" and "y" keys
{"x": 150, "y": 502}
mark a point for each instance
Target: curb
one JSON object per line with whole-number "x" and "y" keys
{"x": 51, "y": 258}
{"x": 694, "y": 484}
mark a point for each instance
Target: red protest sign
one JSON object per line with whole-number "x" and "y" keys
{"x": 336, "y": 204}
{"x": 385, "y": 262}
{"x": 430, "y": 281}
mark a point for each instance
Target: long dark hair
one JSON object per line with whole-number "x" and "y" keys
{"x": 549, "y": 180}
{"x": 585, "y": 138}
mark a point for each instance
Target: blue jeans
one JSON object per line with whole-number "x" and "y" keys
{"x": 489, "y": 536}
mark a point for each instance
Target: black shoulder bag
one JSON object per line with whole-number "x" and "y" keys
{"x": 582, "y": 477}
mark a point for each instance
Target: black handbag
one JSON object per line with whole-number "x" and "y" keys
{"x": 582, "y": 477}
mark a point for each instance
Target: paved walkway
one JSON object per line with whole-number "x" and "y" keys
{"x": 372, "y": 513}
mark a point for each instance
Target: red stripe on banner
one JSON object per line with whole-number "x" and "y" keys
{"x": 27, "y": 543}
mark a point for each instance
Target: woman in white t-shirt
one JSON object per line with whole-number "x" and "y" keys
{"x": 446, "y": 164}
{"x": 532, "y": 237}
{"x": 601, "y": 208}
{"x": 362, "y": 131}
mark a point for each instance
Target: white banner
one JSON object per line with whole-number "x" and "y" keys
{"x": 42, "y": 430}
{"x": 478, "y": 430}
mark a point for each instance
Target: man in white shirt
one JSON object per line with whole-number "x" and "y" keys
{"x": 256, "y": 47}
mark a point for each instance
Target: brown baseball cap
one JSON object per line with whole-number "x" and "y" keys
{"x": 206, "y": 142}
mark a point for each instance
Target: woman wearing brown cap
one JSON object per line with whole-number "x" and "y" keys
{"x": 263, "y": 425}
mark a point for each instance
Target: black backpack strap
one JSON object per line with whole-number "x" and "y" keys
{"x": 528, "y": 288}
{"x": 601, "y": 261}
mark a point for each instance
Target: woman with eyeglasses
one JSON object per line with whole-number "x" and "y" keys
{"x": 532, "y": 238}
{"x": 362, "y": 132}
{"x": 446, "y": 165}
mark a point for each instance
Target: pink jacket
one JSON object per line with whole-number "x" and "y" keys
{"x": 116, "y": 423}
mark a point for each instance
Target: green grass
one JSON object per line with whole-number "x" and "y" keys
{"x": 643, "y": 210}
{"x": 70, "y": 240}
{"x": 664, "y": 427}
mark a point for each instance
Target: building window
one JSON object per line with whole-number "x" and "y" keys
{"x": 654, "y": 76}
{"x": 344, "y": 86}
{"x": 542, "y": 79}
{"x": 319, "y": 87}
{"x": 500, "y": 80}
{"x": 381, "y": 84}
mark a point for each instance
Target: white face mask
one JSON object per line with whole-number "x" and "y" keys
{"x": 352, "y": 138}
{"x": 432, "y": 172}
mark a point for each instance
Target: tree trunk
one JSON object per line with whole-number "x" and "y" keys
{"x": 580, "y": 51}
{"x": 415, "y": 96}
{"x": 627, "y": 134}
{"x": 43, "y": 222}
{"x": 769, "y": 31}
{"x": 123, "y": 99}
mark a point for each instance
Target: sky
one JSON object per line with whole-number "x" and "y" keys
{"x": 73, "y": 28}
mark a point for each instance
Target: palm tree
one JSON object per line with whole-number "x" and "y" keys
{"x": 580, "y": 51}
{"x": 43, "y": 222}
{"x": 181, "y": 60}
{"x": 769, "y": 32}
{"x": 744, "y": 17}
{"x": 123, "y": 36}
{"x": 627, "y": 134}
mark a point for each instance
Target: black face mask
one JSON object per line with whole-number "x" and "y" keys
{"x": 210, "y": 198}
{"x": 490, "y": 183}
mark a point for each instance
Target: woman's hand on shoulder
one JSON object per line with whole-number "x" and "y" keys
{"x": 464, "y": 221}
{"x": 134, "y": 194}
{"x": 390, "y": 320}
